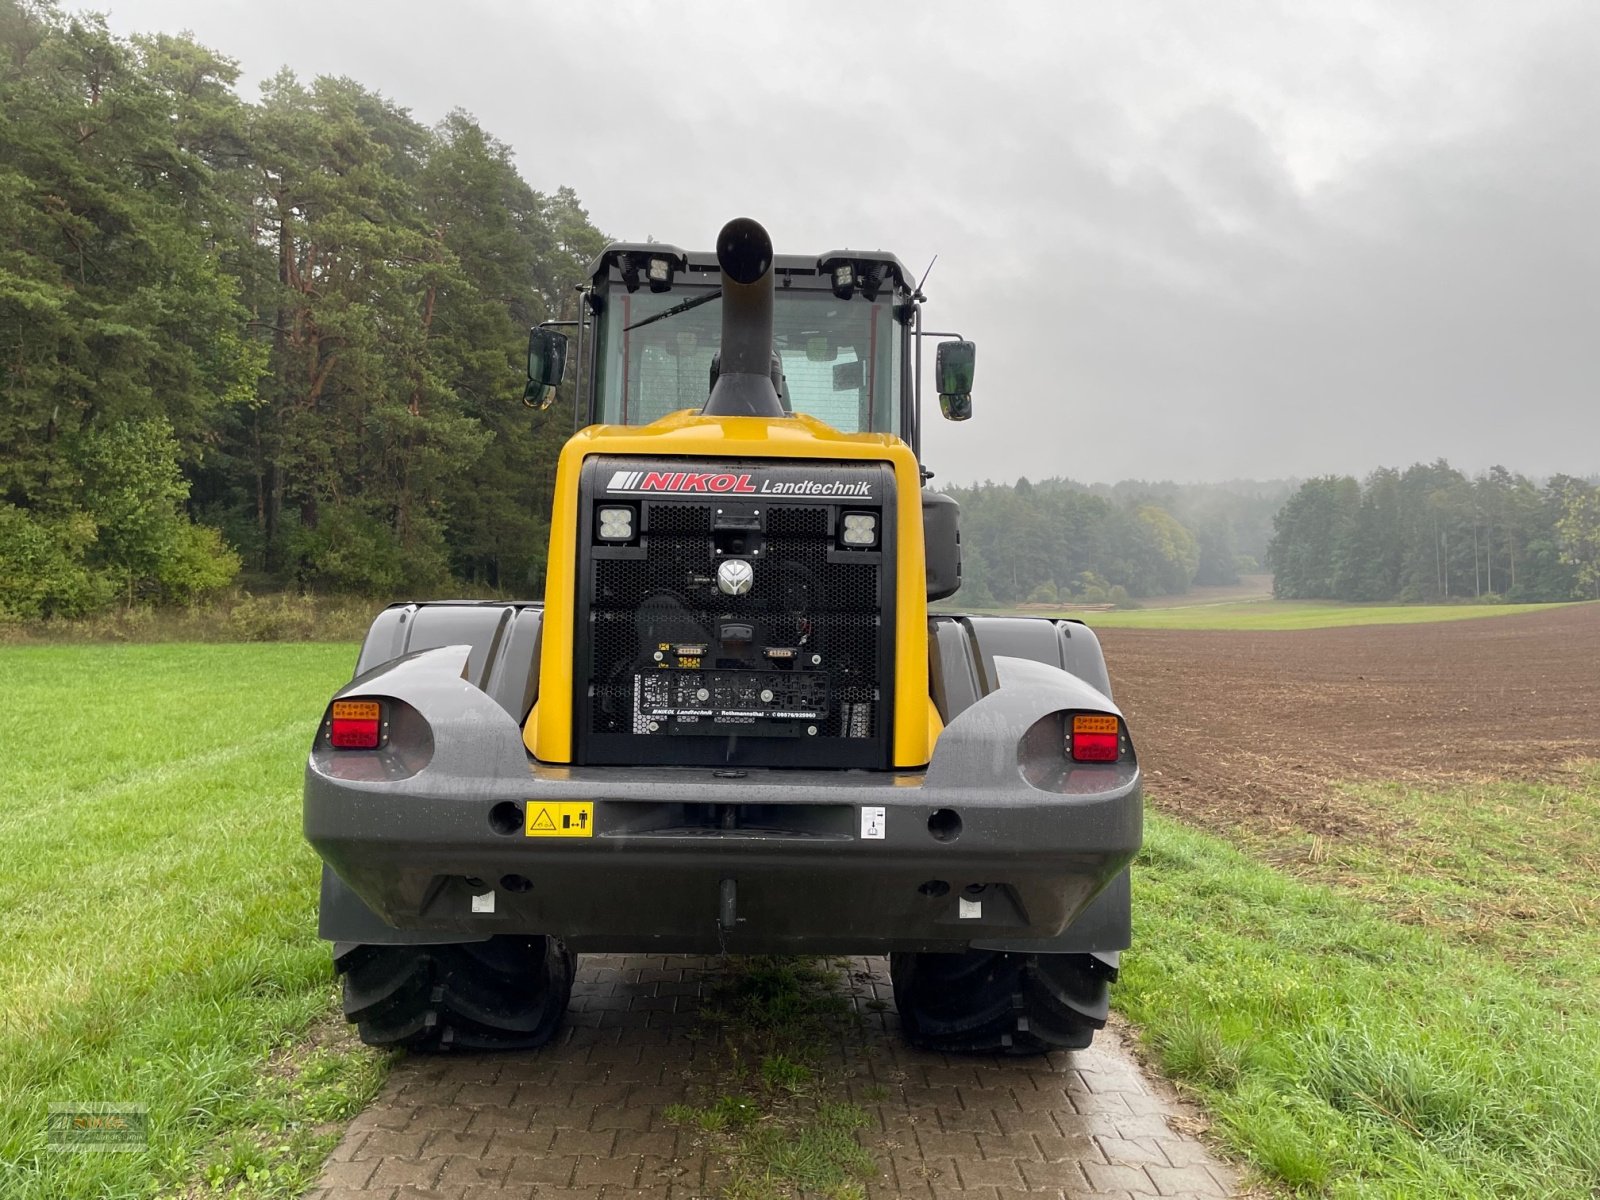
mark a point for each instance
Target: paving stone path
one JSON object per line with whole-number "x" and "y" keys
{"x": 582, "y": 1118}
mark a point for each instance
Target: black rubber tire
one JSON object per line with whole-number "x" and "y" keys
{"x": 989, "y": 1002}
{"x": 508, "y": 993}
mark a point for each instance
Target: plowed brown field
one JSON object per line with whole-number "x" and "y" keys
{"x": 1256, "y": 726}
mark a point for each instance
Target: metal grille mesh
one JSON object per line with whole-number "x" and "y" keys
{"x": 798, "y": 599}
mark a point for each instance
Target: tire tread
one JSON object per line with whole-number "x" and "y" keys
{"x": 509, "y": 993}
{"x": 992, "y": 1002}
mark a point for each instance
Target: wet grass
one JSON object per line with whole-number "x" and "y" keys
{"x": 1508, "y": 868}
{"x": 158, "y": 919}
{"x": 774, "y": 1118}
{"x": 1348, "y": 1053}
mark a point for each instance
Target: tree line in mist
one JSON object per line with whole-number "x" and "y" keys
{"x": 1431, "y": 533}
{"x": 281, "y": 337}
{"x": 1057, "y": 541}
{"x": 279, "y": 343}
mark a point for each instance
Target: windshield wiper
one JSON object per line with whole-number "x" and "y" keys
{"x": 676, "y": 309}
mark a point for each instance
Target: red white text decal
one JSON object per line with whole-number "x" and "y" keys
{"x": 678, "y": 481}
{"x": 727, "y": 483}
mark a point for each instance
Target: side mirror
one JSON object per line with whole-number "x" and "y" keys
{"x": 547, "y": 363}
{"x": 941, "y": 537}
{"x": 954, "y": 368}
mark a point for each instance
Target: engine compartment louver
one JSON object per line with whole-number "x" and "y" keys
{"x": 723, "y": 620}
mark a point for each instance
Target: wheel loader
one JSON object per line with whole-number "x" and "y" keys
{"x": 732, "y": 725}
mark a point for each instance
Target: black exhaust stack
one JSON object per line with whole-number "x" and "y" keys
{"x": 744, "y": 387}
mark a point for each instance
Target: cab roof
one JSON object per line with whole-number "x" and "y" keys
{"x": 704, "y": 262}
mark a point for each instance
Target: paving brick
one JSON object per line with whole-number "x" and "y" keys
{"x": 1001, "y": 1098}
{"x": 1132, "y": 1152}
{"x": 1061, "y": 1174}
{"x": 1032, "y": 1120}
{"x": 387, "y": 1143}
{"x": 1185, "y": 1151}
{"x": 1101, "y": 1104}
{"x": 916, "y": 1096}
{"x": 1227, "y": 1178}
{"x": 467, "y": 1172}
{"x": 394, "y": 1172}
{"x": 933, "y": 1142}
{"x": 390, "y": 1112}
{"x": 568, "y": 1116}
{"x": 680, "y": 1169}
{"x": 348, "y": 1174}
{"x": 1013, "y": 1146}
{"x": 1185, "y": 1181}
{"x": 509, "y": 1143}
{"x": 942, "y": 1076}
{"x": 1109, "y": 1178}
{"x": 968, "y": 1120}
{"x": 662, "y": 1143}
{"x": 493, "y": 1120}
{"x": 582, "y": 1119}
{"x": 1109, "y": 1082}
{"x": 426, "y": 1118}
{"x": 442, "y": 1142}
{"x": 608, "y": 1092}
{"x": 622, "y": 1171}
{"x": 658, "y": 1095}
{"x": 587, "y": 1141}
{"x": 988, "y": 1172}
{"x": 497, "y": 1095}
{"x": 1078, "y": 1147}
{"x": 542, "y": 1168}
{"x": 915, "y": 1170}
{"x": 617, "y": 1117}
{"x": 1132, "y": 1127}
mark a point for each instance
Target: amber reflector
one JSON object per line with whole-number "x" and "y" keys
{"x": 355, "y": 725}
{"x": 1095, "y": 738}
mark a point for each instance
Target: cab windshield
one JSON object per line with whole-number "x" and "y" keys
{"x": 841, "y": 360}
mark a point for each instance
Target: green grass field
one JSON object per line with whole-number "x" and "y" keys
{"x": 1416, "y": 1015}
{"x": 158, "y": 918}
{"x": 1349, "y": 1051}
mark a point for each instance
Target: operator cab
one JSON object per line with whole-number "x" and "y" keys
{"x": 845, "y": 330}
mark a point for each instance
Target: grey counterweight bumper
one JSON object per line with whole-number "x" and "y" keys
{"x": 1001, "y": 841}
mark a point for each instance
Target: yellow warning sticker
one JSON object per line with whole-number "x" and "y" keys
{"x": 561, "y": 818}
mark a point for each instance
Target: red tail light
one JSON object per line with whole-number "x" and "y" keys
{"x": 355, "y": 725}
{"x": 1095, "y": 738}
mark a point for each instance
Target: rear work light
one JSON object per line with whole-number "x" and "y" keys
{"x": 1094, "y": 738}
{"x": 355, "y": 725}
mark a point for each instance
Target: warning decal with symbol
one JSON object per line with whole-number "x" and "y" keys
{"x": 560, "y": 818}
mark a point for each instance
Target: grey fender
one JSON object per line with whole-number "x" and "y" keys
{"x": 967, "y": 654}
{"x": 474, "y": 737}
{"x": 502, "y": 640}
{"x": 501, "y": 644}
{"x": 962, "y": 653}
{"x": 980, "y": 743}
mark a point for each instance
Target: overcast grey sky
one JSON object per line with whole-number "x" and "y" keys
{"x": 1196, "y": 240}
